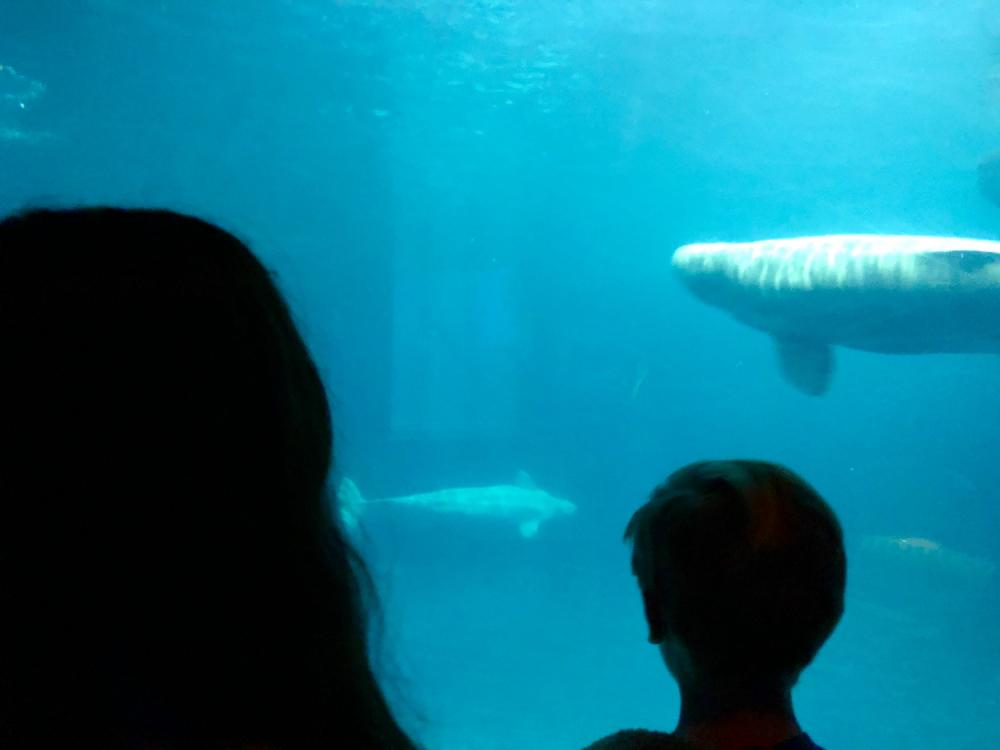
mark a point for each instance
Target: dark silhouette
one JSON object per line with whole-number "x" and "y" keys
{"x": 988, "y": 178}
{"x": 742, "y": 571}
{"x": 170, "y": 573}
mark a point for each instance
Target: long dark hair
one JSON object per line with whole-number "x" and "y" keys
{"x": 171, "y": 574}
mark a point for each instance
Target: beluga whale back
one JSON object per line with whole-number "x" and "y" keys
{"x": 895, "y": 294}
{"x": 522, "y": 502}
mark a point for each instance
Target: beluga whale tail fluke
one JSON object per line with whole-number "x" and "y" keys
{"x": 522, "y": 502}
{"x": 894, "y": 294}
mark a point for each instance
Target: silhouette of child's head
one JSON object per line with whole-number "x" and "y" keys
{"x": 742, "y": 569}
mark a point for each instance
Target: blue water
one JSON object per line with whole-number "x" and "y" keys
{"x": 472, "y": 207}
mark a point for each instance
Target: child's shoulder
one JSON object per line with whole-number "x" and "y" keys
{"x": 638, "y": 739}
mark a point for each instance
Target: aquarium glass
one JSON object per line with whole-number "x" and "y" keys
{"x": 473, "y": 209}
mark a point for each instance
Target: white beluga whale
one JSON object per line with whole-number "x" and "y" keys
{"x": 522, "y": 502}
{"x": 927, "y": 555}
{"x": 894, "y": 294}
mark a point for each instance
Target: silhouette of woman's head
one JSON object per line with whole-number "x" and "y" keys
{"x": 170, "y": 575}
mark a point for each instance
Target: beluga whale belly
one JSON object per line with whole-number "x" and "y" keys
{"x": 895, "y": 294}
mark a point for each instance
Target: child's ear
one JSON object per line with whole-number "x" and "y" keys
{"x": 654, "y": 617}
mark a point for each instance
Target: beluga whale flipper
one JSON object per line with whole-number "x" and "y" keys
{"x": 522, "y": 502}
{"x": 895, "y": 294}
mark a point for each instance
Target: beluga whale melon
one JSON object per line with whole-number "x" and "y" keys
{"x": 894, "y": 294}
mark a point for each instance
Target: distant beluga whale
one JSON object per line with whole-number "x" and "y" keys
{"x": 894, "y": 294}
{"x": 522, "y": 502}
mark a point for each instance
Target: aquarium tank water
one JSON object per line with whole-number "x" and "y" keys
{"x": 474, "y": 209}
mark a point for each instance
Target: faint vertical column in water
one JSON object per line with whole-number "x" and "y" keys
{"x": 453, "y": 365}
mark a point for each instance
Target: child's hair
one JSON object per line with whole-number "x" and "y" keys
{"x": 747, "y": 562}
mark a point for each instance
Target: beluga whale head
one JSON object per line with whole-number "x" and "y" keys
{"x": 894, "y": 294}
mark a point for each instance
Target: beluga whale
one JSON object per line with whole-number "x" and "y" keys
{"x": 522, "y": 502}
{"x": 894, "y": 294}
